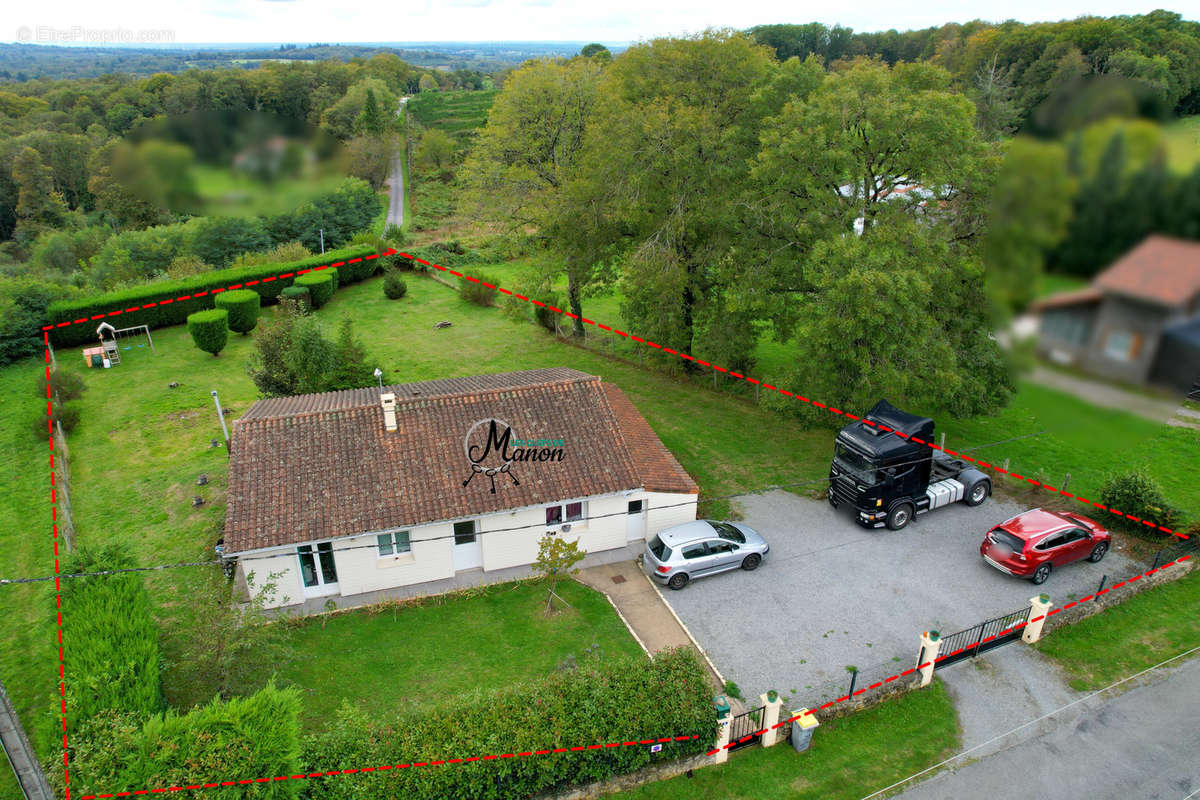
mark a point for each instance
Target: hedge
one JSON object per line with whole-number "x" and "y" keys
{"x": 199, "y": 290}
{"x": 299, "y": 295}
{"x": 112, "y": 641}
{"x": 246, "y": 738}
{"x": 320, "y": 286}
{"x": 617, "y": 700}
{"x": 243, "y": 307}
{"x": 209, "y": 329}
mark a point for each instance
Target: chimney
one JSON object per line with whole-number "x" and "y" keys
{"x": 389, "y": 411}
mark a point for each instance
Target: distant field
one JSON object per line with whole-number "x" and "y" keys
{"x": 1183, "y": 143}
{"x": 452, "y": 111}
{"x": 225, "y": 192}
{"x": 1052, "y": 283}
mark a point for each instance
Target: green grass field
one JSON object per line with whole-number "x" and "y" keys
{"x": 452, "y": 111}
{"x": 1183, "y": 143}
{"x": 496, "y": 637}
{"x": 1053, "y": 283}
{"x": 1129, "y": 637}
{"x": 849, "y": 758}
{"x": 225, "y": 192}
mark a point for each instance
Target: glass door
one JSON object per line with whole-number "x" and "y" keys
{"x": 318, "y": 572}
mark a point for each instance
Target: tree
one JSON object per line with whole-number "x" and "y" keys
{"x": 370, "y": 158}
{"x": 1085, "y": 250}
{"x": 268, "y": 365}
{"x": 596, "y": 51}
{"x": 556, "y": 560}
{"x": 436, "y": 150}
{"x": 209, "y": 329}
{"x": 427, "y": 83}
{"x": 39, "y": 207}
{"x": 1183, "y": 211}
{"x": 312, "y": 357}
{"x": 996, "y": 110}
{"x": 370, "y": 121}
{"x": 676, "y": 122}
{"x": 527, "y": 154}
{"x": 350, "y": 369}
{"x": 341, "y": 118}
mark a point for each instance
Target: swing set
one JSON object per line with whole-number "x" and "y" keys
{"x": 113, "y": 341}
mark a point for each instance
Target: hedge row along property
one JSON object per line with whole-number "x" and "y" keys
{"x": 165, "y": 309}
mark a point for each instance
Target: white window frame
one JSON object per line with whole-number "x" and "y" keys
{"x": 393, "y": 544}
{"x": 1114, "y": 338}
{"x": 562, "y": 513}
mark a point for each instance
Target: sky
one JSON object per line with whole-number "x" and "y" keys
{"x": 609, "y": 21}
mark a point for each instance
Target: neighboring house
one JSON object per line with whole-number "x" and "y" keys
{"x": 358, "y": 494}
{"x": 1138, "y": 322}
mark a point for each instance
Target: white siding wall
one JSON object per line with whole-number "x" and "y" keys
{"x": 258, "y": 568}
{"x": 361, "y": 569}
{"x": 665, "y": 510}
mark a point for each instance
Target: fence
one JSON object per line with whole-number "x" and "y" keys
{"x": 19, "y": 752}
{"x": 979, "y": 638}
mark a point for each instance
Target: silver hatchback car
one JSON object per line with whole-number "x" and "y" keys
{"x": 700, "y": 548}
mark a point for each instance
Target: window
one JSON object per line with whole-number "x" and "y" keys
{"x": 717, "y": 547}
{"x": 1074, "y": 535}
{"x": 1119, "y": 346}
{"x": 564, "y": 512}
{"x": 635, "y": 506}
{"x": 393, "y": 543}
{"x": 464, "y": 532}
{"x": 1050, "y": 542}
{"x": 660, "y": 550}
{"x": 697, "y": 550}
{"x": 727, "y": 531}
{"x": 317, "y": 568}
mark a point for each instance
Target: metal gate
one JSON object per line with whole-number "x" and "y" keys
{"x": 746, "y": 728}
{"x": 979, "y": 639}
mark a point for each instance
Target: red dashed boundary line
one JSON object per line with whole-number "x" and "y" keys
{"x": 284, "y": 276}
{"x": 803, "y": 399}
{"x": 530, "y": 753}
{"x": 941, "y": 656}
{"x": 334, "y": 265}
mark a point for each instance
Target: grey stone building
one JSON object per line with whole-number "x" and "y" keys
{"x": 1138, "y": 322}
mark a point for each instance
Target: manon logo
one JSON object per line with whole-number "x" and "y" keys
{"x": 491, "y": 447}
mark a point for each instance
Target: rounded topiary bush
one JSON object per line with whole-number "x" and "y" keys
{"x": 243, "y": 306}
{"x": 320, "y": 287}
{"x": 394, "y": 286}
{"x": 209, "y": 329}
{"x": 298, "y": 295}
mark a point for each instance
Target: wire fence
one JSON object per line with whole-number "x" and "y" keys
{"x": 62, "y": 463}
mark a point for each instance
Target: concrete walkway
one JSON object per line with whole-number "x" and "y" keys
{"x": 651, "y": 620}
{"x": 1107, "y": 395}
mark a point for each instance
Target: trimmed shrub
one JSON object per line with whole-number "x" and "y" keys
{"x": 298, "y": 295}
{"x": 243, "y": 307}
{"x": 66, "y": 414}
{"x": 394, "y": 286}
{"x": 209, "y": 329}
{"x": 320, "y": 287}
{"x": 475, "y": 291}
{"x": 246, "y": 737}
{"x": 1137, "y": 494}
{"x": 261, "y": 278}
{"x": 114, "y": 641}
{"x": 544, "y": 316}
{"x": 611, "y": 701}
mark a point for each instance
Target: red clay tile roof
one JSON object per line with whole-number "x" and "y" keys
{"x": 322, "y": 466}
{"x": 1160, "y": 269}
{"x": 1076, "y": 298}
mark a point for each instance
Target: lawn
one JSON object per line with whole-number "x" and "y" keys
{"x": 422, "y": 656}
{"x": 226, "y": 192}
{"x": 849, "y": 758}
{"x": 1127, "y": 638}
{"x": 1054, "y": 283}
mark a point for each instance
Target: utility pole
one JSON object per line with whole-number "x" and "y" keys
{"x": 221, "y": 416}
{"x": 322, "y": 241}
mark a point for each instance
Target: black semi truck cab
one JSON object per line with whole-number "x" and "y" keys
{"x": 888, "y": 479}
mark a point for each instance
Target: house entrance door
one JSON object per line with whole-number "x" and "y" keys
{"x": 468, "y": 550}
{"x": 318, "y": 572}
{"x": 635, "y": 521}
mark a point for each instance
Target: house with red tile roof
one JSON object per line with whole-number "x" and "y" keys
{"x": 1138, "y": 322}
{"x": 360, "y": 495}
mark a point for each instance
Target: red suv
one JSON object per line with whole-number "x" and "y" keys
{"x": 1030, "y": 545}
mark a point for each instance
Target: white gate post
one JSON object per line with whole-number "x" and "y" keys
{"x": 722, "y": 754}
{"x": 770, "y": 721}
{"x": 931, "y": 643}
{"x": 1039, "y": 607}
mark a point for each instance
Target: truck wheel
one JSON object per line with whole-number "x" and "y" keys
{"x": 900, "y": 516}
{"x": 978, "y": 492}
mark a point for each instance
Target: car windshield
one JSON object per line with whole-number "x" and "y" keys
{"x": 1006, "y": 539}
{"x": 660, "y": 550}
{"x": 849, "y": 461}
{"x": 727, "y": 531}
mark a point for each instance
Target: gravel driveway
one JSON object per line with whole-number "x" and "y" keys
{"x": 832, "y": 594}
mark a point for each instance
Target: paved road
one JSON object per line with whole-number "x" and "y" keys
{"x": 832, "y": 594}
{"x": 1142, "y": 743}
{"x": 396, "y": 182}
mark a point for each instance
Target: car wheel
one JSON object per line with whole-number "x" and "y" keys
{"x": 678, "y": 581}
{"x": 978, "y": 492}
{"x": 899, "y": 516}
{"x": 751, "y": 561}
{"x": 1040, "y": 575}
{"x": 1098, "y": 552}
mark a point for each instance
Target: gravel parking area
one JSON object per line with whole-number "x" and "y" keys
{"x": 832, "y": 594}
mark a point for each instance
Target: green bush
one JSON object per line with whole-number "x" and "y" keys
{"x": 209, "y": 329}
{"x": 243, "y": 738}
{"x": 66, "y": 414}
{"x": 475, "y": 291}
{"x": 64, "y": 385}
{"x": 298, "y": 295}
{"x": 320, "y": 287}
{"x": 544, "y": 316}
{"x": 358, "y": 269}
{"x": 268, "y": 280}
{"x": 243, "y": 307}
{"x": 1137, "y": 494}
{"x": 112, "y": 640}
{"x": 394, "y": 286}
{"x": 611, "y": 701}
